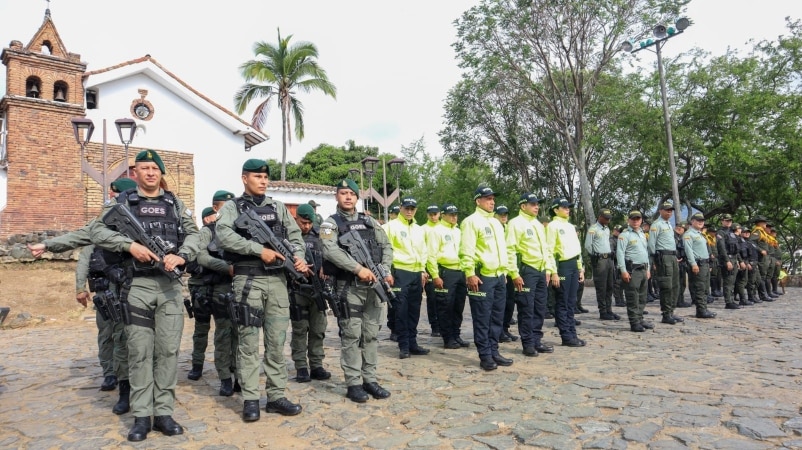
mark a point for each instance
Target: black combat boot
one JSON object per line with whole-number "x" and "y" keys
{"x": 250, "y": 411}
{"x": 123, "y": 405}
{"x": 226, "y": 387}
{"x": 770, "y": 294}
{"x": 196, "y": 373}
{"x": 167, "y": 426}
{"x": 109, "y": 383}
{"x": 140, "y": 430}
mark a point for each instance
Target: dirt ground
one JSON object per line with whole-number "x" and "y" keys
{"x": 43, "y": 289}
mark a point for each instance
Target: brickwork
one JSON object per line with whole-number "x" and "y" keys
{"x": 46, "y": 187}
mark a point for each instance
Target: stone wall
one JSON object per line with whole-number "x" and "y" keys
{"x": 15, "y": 248}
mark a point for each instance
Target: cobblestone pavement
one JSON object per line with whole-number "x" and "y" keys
{"x": 728, "y": 383}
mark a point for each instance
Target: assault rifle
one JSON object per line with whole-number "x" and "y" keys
{"x": 338, "y": 303}
{"x": 121, "y": 218}
{"x": 261, "y": 233}
{"x": 359, "y": 251}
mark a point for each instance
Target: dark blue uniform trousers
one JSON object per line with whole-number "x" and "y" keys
{"x": 487, "y": 312}
{"x": 566, "y": 298}
{"x": 407, "y": 307}
{"x": 531, "y": 306}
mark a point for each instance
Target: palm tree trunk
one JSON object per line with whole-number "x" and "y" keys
{"x": 283, "y": 142}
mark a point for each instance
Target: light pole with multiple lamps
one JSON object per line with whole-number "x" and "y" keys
{"x": 662, "y": 34}
{"x": 126, "y": 128}
{"x": 369, "y": 170}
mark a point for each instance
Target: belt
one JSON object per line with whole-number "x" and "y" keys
{"x": 638, "y": 267}
{"x": 569, "y": 259}
{"x": 603, "y": 255}
{"x": 702, "y": 262}
{"x": 667, "y": 252}
{"x": 256, "y": 271}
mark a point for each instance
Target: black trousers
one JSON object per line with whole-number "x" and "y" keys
{"x": 451, "y": 302}
{"x": 531, "y": 306}
{"x": 407, "y": 307}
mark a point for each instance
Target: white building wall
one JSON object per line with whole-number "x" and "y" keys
{"x": 176, "y": 126}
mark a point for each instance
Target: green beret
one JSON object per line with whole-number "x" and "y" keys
{"x": 150, "y": 156}
{"x": 256, "y": 166}
{"x": 306, "y": 211}
{"x": 208, "y": 211}
{"x": 348, "y": 184}
{"x": 122, "y": 184}
{"x": 221, "y": 196}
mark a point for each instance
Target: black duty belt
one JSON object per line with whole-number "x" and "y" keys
{"x": 256, "y": 271}
{"x": 667, "y": 252}
{"x": 639, "y": 267}
{"x": 702, "y": 262}
{"x": 604, "y": 255}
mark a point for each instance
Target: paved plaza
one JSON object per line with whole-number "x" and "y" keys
{"x": 728, "y": 383}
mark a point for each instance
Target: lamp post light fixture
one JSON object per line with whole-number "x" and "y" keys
{"x": 663, "y": 33}
{"x": 82, "y": 124}
{"x": 126, "y": 128}
{"x": 369, "y": 166}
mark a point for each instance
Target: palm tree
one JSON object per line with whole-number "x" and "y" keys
{"x": 279, "y": 72}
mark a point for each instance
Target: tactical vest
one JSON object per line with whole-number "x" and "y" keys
{"x": 364, "y": 227}
{"x": 314, "y": 251}
{"x": 195, "y": 269}
{"x": 268, "y": 214}
{"x": 730, "y": 240}
{"x": 159, "y": 217}
{"x": 678, "y": 241}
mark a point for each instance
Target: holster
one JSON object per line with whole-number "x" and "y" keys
{"x": 243, "y": 314}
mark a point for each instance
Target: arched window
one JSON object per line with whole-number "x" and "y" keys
{"x": 47, "y": 48}
{"x": 33, "y": 87}
{"x": 60, "y": 91}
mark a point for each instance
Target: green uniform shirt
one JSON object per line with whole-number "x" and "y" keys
{"x": 483, "y": 245}
{"x": 563, "y": 241}
{"x": 230, "y": 241}
{"x": 205, "y": 259}
{"x": 597, "y": 241}
{"x": 526, "y": 237}
{"x": 631, "y": 246}
{"x": 71, "y": 240}
{"x": 409, "y": 244}
{"x": 695, "y": 247}
{"x": 82, "y": 269}
{"x": 333, "y": 253}
{"x": 661, "y": 237}
{"x": 443, "y": 248}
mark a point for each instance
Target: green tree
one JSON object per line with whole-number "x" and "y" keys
{"x": 548, "y": 58}
{"x": 278, "y": 73}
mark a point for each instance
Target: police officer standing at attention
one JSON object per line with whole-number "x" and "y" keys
{"x": 409, "y": 272}
{"x": 449, "y": 283}
{"x": 728, "y": 259}
{"x": 526, "y": 240}
{"x": 760, "y": 237}
{"x": 392, "y": 214}
{"x": 699, "y": 261}
{"x": 260, "y": 285}
{"x": 597, "y": 244}
{"x": 682, "y": 263}
{"x": 359, "y": 355}
{"x": 309, "y": 330}
{"x": 156, "y": 318}
{"x": 564, "y": 242}
{"x": 210, "y": 287}
{"x": 503, "y": 216}
{"x": 201, "y": 288}
{"x": 484, "y": 261}
{"x": 663, "y": 250}
{"x": 632, "y": 260}
{"x": 754, "y": 295}
{"x": 433, "y": 216}
{"x": 618, "y": 289}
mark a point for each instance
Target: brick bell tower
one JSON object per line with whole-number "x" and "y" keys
{"x": 44, "y": 90}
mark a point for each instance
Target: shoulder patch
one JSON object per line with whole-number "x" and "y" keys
{"x": 188, "y": 212}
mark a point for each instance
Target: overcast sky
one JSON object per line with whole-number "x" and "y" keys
{"x": 392, "y": 62}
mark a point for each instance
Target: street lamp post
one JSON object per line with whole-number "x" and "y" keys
{"x": 129, "y": 127}
{"x": 663, "y": 34}
{"x": 126, "y": 128}
{"x": 369, "y": 166}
